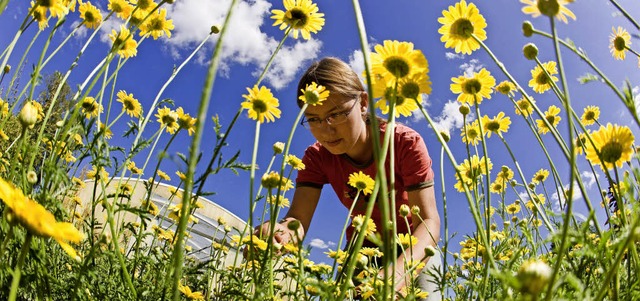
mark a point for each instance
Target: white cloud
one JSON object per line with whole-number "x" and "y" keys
{"x": 289, "y": 61}
{"x": 450, "y": 118}
{"x": 470, "y": 67}
{"x": 559, "y": 203}
{"x": 636, "y": 99}
{"x": 588, "y": 178}
{"x": 451, "y": 55}
{"x": 356, "y": 61}
{"x": 319, "y": 243}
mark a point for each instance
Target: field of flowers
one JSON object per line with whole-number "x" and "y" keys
{"x": 56, "y": 142}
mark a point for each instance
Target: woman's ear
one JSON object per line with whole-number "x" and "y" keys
{"x": 364, "y": 102}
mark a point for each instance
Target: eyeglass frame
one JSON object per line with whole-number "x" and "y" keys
{"x": 307, "y": 125}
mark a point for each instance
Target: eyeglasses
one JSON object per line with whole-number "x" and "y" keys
{"x": 332, "y": 119}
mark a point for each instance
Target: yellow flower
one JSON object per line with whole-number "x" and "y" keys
{"x": 186, "y": 122}
{"x": 470, "y": 170}
{"x": 612, "y": 145}
{"x": 280, "y": 201}
{"x": 261, "y": 104}
{"x": 190, "y": 295}
{"x": 358, "y": 221}
{"x": 550, "y": 8}
{"x": 459, "y": 23}
{"x": 273, "y": 180}
{"x": 505, "y": 173}
{"x": 168, "y": 119}
{"x": 540, "y": 176}
{"x": 125, "y": 48}
{"x": 371, "y": 252}
{"x": 506, "y": 87}
{"x": 90, "y": 108}
{"x": 362, "y": 182}
{"x": 620, "y": 40}
{"x": 90, "y": 15}
{"x": 498, "y": 186}
{"x": 540, "y": 82}
{"x": 37, "y": 219}
{"x": 471, "y": 133}
{"x": 580, "y": 142}
{"x": 122, "y": 8}
{"x": 395, "y": 60}
{"x": 524, "y": 107}
{"x": 181, "y": 175}
{"x": 408, "y": 95}
{"x": 407, "y": 240}
{"x": 56, "y": 7}
{"x": 314, "y": 94}
{"x": 475, "y": 88}
{"x": 301, "y": 15}
{"x": 404, "y": 106}
{"x": 130, "y": 105}
{"x": 498, "y": 124}
{"x": 295, "y": 162}
{"x": 145, "y": 5}
{"x": 163, "y": 175}
{"x": 97, "y": 173}
{"x": 551, "y": 115}
{"x": 590, "y": 115}
{"x": 533, "y": 276}
{"x": 513, "y": 208}
{"x": 157, "y": 25}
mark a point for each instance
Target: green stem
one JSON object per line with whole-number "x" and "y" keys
{"x": 252, "y": 176}
{"x": 17, "y": 272}
{"x": 624, "y": 12}
{"x": 446, "y": 222}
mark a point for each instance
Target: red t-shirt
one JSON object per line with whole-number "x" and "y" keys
{"x": 412, "y": 171}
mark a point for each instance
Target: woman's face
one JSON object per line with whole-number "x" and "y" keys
{"x": 348, "y": 137}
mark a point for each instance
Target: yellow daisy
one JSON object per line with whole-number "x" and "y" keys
{"x": 294, "y": 161}
{"x": 506, "y": 87}
{"x": 473, "y": 89}
{"x": 103, "y": 130}
{"x": 539, "y": 80}
{"x": 459, "y": 23}
{"x": 590, "y": 115}
{"x": 145, "y": 5}
{"x": 126, "y": 48}
{"x": 168, "y": 119}
{"x": 301, "y": 15}
{"x": 39, "y": 14}
{"x": 513, "y": 208}
{"x": 612, "y": 145}
{"x": 580, "y": 143}
{"x": 471, "y": 133}
{"x": 407, "y": 240}
{"x": 524, "y": 107}
{"x": 121, "y": 8}
{"x": 261, "y": 104}
{"x": 190, "y": 295}
{"x": 470, "y": 170}
{"x": 620, "y": 40}
{"x": 90, "y": 15}
{"x": 273, "y": 180}
{"x": 551, "y": 115}
{"x": 314, "y": 94}
{"x": 498, "y": 186}
{"x": 404, "y": 106}
{"x": 280, "y": 201}
{"x": 90, "y": 108}
{"x": 157, "y": 25}
{"x": 185, "y": 121}
{"x": 498, "y": 124}
{"x": 37, "y": 219}
{"x": 130, "y": 105}
{"x": 163, "y": 175}
{"x": 550, "y": 8}
{"x": 362, "y": 181}
{"x": 505, "y": 173}
{"x": 396, "y": 60}
{"x": 540, "y": 176}
{"x": 57, "y": 8}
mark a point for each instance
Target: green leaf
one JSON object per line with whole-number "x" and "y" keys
{"x": 588, "y": 78}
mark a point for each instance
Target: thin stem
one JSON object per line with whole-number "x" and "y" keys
{"x": 624, "y": 12}
{"x": 17, "y": 272}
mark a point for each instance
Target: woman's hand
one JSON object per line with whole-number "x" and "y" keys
{"x": 286, "y": 231}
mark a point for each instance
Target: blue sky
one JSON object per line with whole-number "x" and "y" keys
{"x": 252, "y": 38}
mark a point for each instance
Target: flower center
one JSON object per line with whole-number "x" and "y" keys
{"x": 128, "y": 104}
{"x": 168, "y": 119}
{"x": 361, "y": 185}
{"x": 549, "y": 8}
{"x": 461, "y": 29}
{"x": 397, "y": 66}
{"x": 471, "y": 86}
{"x": 259, "y": 106}
{"x": 611, "y": 151}
{"x": 89, "y": 17}
{"x": 619, "y": 43}
{"x": 156, "y": 24}
{"x": 89, "y": 106}
{"x": 590, "y": 115}
{"x": 410, "y": 90}
{"x": 46, "y": 3}
{"x": 297, "y": 14}
{"x": 311, "y": 97}
{"x": 542, "y": 78}
{"x": 493, "y": 125}
{"x": 472, "y": 133}
{"x": 551, "y": 119}
{"x": 144, "y": 4}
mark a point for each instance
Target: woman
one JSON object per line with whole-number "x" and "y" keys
{"x": 344, "y": 146}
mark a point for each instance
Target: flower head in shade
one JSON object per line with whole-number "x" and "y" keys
{"x": 590, "y": 115}
{"x": 524, "y": 107}
{"x": 474, "y": 88}
{"x": 550, "y": 8}
{"x": 314, "y": 94}
{"x": 261, "y": 105}
{"x": 301, "y": 15}
{"x": 37, "y": 219}
{"x": 470, "y": 170}
{"x": 90, "y": 107}
{"x": 540, "y": 82}
{"x": 551, "y": 115}
{"x": 362, "y": 182}
{"x": 123, "y": 42}
{"x": 396, "y": 60}
{"x": 168, "y": 119}
{"x": 185, "y": 121}
{"x": 90, "y": 15}
{"x": 459, "y": 24}
{"x": 620, "y": 40}
{"x": 130, "y": 104}
{"x": 612, "y": 146}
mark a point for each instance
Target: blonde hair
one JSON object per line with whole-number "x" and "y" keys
{"x": 333, "y": 74}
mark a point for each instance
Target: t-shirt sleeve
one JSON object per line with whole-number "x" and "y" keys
{"x": 312, "y": 175}
{"x": 415, "y": 162}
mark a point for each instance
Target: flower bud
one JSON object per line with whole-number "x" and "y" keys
{"x": 464, "y": 109}
{"x": 534, "y": 276}
{"x": 32, "y": 177}
{"x": 415, "y": 210}
{"x": 362, "y": 261}
{"x": 445, "y": 135}
{"x": 429, "y": 251}
{"x": 215, "y": 29}
{"x": 527, "y": 29}
{"x": 293, "y": 225}
{"x": 278, "y": 147}
{"x": 7, "y": 69}
{"x": 530, "y": 51}
{"x": 404, "y": 210}
{"x": 60, "y": 123}
{"x": 28, "y": 115}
